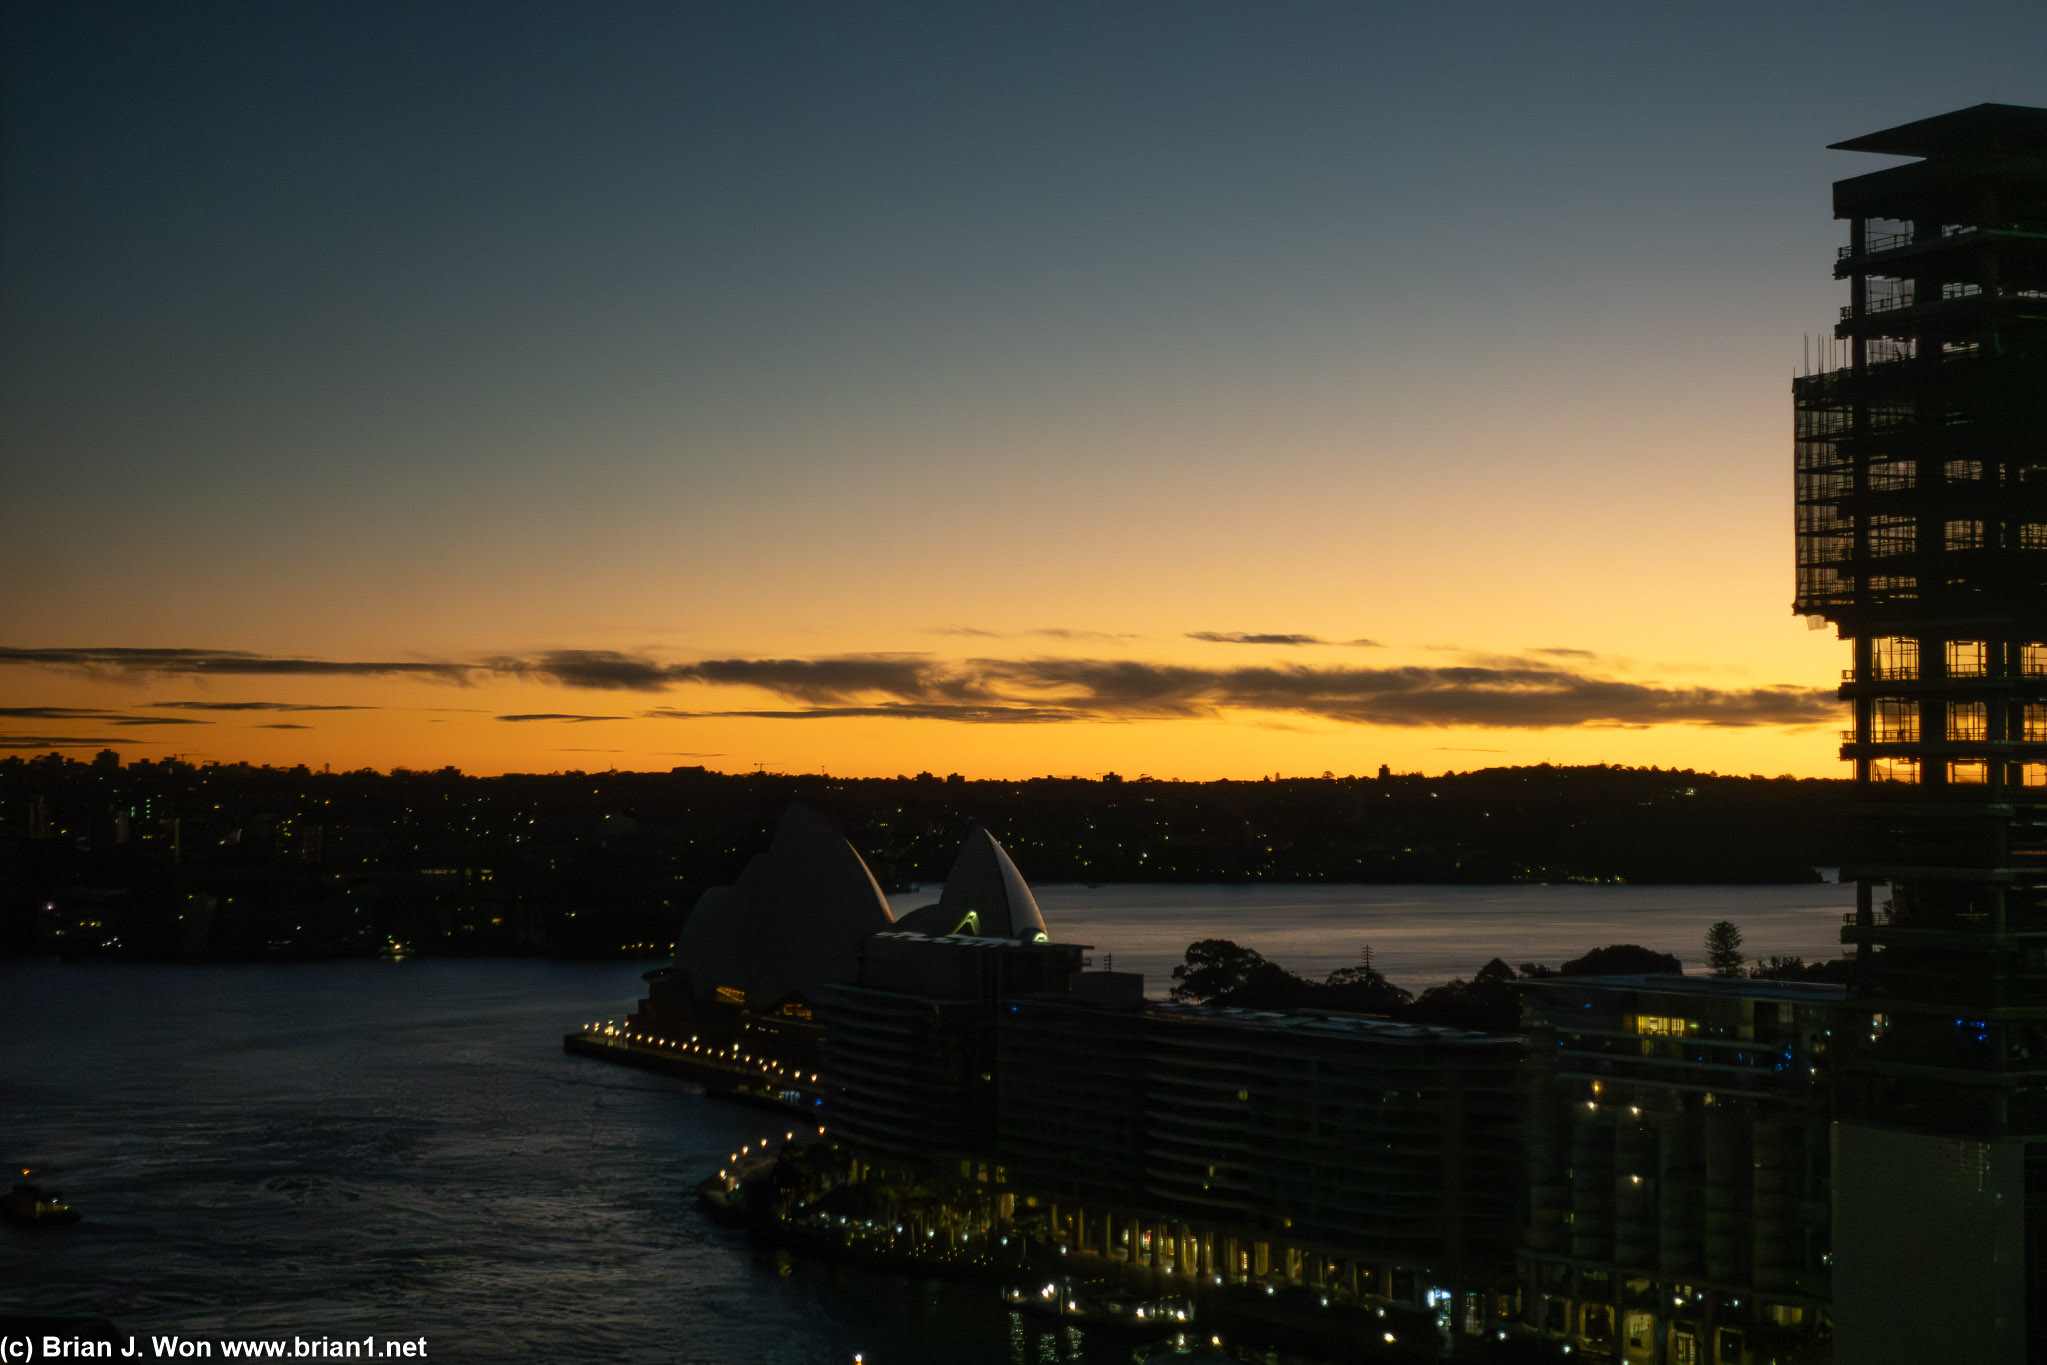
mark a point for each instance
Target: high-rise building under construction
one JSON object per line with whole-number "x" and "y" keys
{"x": 1922, "y": 536}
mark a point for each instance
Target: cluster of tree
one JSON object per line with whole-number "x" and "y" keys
{"x": 1223, "y": 974}
{"x": 1724, "y": 958}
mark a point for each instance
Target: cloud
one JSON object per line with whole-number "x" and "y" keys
{"x": 1052, "y": 632}
{"x": 1065, "y": 633}
{"x": 1241, "y": 637}
{"x": 210, "y": 662}
{"x": 1547, "y": 689}
{"x": 603, "y": 669}
{"x": 1564, "y": 652}
{"x": 251, "y": 706}
{"x": 98, "y": 715}
{"x": 69, "y": 741}
{"x": 1125, "y": 686}
{"x": 1525, "y": 695}
{"x": 974, "y": 715}
{"x": 911, "y": 677}
{"x": 283, "y": 725}
{"x": 1246, "y": 637}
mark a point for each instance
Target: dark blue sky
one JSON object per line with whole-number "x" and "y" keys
{"x": 382, "y": 327}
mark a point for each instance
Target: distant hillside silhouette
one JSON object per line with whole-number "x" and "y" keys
{"x": 168, "y": 859}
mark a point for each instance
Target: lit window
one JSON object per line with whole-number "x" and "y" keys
{"x": 1892, "y": 536}
{"x": 1896, "y": 657}
{"x": 1967, "y": 659}
{"x": 1963, "y": 471}
{"x": 2033, "y": 660}
{"x": 2033, "y": 721}
{"x": 1964, "y": 535}
{"x": 1968, "y": 772}
{"x": 1894, "y": 770}
{"x": 1894, "y": 720}
{"x": 1968, "y": 720}
{"x": 2031, "y": 535}
{"x": 1662, "y": 1026}
{"x": 732, "y": 995}
{"x": 2033, "y": 774}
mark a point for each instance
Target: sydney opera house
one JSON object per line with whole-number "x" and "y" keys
{"x": 758, "y": 957}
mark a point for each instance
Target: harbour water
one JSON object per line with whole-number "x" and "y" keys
{"x": 329, "y": 1151}
{"x": 1421, "y": 936}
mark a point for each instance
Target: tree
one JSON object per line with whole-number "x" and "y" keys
{"x": 1215, "y": 972}
{"x": 1723, "y": 948}
{"x": 1358, "y": 989}
{"x": 1221, "y": 973}
{"x": 1622, "y": 959}
{"x": 1840, "y": 971}
{"x": 1488, "y": 1002}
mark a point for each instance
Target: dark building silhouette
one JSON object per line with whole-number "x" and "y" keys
{"x": 1362, "y": 1165}
{"x": 1362, "y": 1156}
{"x": 1679, "y": 1167}
{"x": 909, "y": 1048}
{"x": 1922, "y": 536}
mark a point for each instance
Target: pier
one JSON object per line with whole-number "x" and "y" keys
{"x": 722, "y": 1069}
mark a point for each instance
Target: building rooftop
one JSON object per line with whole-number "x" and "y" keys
{"x": 976, "y": 940}
{"x": 1728, "y": 987}
{"x": 1979, "y": 128}
{"x": 1325, "y": 1024}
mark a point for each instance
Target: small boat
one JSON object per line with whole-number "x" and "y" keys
{"x": 31, "y": 1204}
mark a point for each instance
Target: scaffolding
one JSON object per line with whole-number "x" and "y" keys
{"x": 1921, "y": 523}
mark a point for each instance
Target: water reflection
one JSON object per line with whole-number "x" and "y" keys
{"x": 403, "y": 1150}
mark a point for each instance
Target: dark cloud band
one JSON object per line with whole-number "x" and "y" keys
{"x": 224, "y": 662}
{"x": 250, "y": 706}
{"x": 71, "y": 741}
{"x": 1534, "y": 692}
{"x": 1246, "y": 637}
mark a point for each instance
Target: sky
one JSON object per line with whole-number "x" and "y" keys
{"x": 1190, "y": 389}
